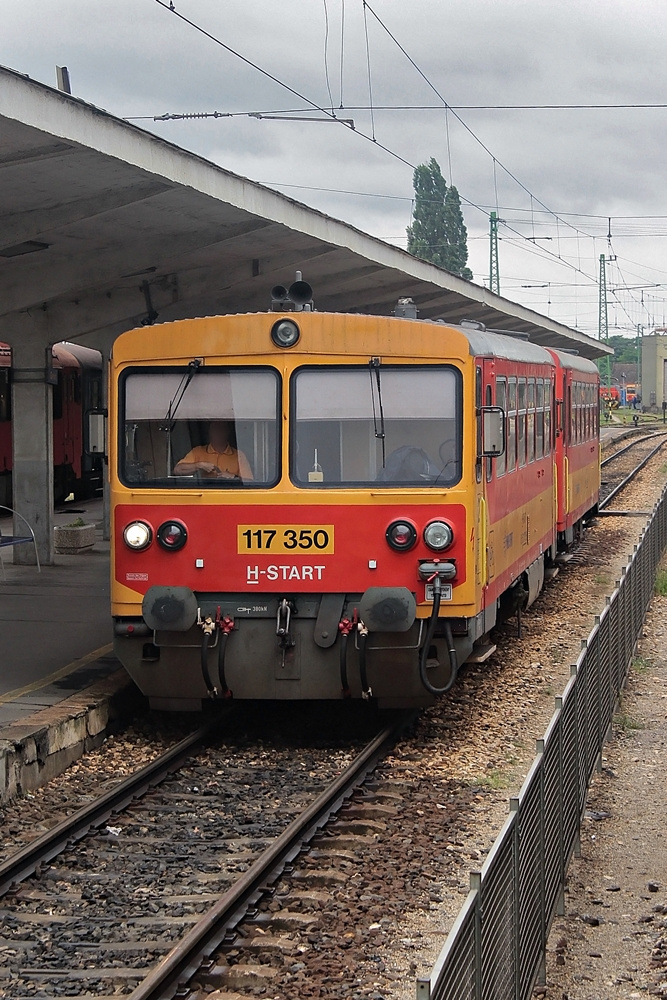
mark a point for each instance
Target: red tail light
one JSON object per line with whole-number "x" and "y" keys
{"x": 172, "y": 535}
{"x": 401, "y": 535}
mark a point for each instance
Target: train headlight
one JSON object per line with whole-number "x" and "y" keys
{"x": 172, "y": 535}
{"x": 285, "y": 333}
{"x": 438, "y": 536}
{"x": 401, "y": 535}
{"x": 138, "y": 535}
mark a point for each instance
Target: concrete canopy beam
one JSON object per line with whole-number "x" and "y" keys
{"x": 113, "y": 203}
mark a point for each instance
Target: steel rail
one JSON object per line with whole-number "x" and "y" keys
{"x": 617, "y": 489}
{"x": 24, "y": 862}
{"x": 183, "y": 961}
{"x": 627, "y": 447}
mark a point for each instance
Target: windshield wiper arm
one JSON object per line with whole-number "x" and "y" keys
{"x": 374, "y": 366}
{"x": 170, "y": 416}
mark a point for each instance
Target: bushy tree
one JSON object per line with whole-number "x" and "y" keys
{"x": 457, "y": 236}
{"x": 437, "y": 233}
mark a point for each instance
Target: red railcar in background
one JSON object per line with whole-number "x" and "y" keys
{"x": 577, "y": 441}
{"x": 78, "y": 389}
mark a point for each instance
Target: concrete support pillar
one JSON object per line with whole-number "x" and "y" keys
{"x": 32, "y": 437}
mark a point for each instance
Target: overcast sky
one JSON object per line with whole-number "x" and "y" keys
{"x": 555, "y": 176}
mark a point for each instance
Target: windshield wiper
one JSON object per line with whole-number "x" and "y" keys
{"x": 374, "y": 366}
{"x": 170, "y": 416}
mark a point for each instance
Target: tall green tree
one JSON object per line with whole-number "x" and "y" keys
{"x": 457, "y": 236}
{"x": 437, "y": 233}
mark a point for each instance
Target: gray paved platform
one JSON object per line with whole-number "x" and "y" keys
{"x": 60, "y": 684}
{"x": 55, "y": 627}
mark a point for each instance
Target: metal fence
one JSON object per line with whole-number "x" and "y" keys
{"x": 497, "y": 946}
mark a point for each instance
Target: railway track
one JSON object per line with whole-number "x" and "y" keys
{"x": 128, "y": 895}
{"x": 624, "y": 465}
{"x": 333, "y": 916}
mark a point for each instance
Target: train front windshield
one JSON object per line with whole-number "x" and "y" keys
{"x": 350, "y": 427}
{"x": 205, "y": 427}
{"x": 376, "y": 425}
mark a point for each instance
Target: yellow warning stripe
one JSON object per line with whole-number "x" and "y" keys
{"x": 45, "y": 681}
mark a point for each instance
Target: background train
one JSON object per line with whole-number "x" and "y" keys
{"x": 78, "y": 389}
{"x": 378, "y": 494}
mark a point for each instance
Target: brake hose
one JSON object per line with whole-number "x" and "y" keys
{"x": 453, "y": 663}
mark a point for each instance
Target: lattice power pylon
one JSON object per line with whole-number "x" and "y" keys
{"x": 494, "y": 273}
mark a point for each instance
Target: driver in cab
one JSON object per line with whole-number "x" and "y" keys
{"x": 217, "y": 459}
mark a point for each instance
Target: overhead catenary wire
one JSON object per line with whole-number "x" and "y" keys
{"x": 525, "y": 241}
{"x": 313, "y": 104}
{"x": 368, "y": 66}
{"x": 468, "y": 107}
{"x": 373, "y": 137}
{"x": 342, "y": 48}
{"x": 326, "y": 54}
{"x": 456, "y": 115}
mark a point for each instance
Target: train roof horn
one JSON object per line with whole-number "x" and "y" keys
{"x": 297, "y": 298}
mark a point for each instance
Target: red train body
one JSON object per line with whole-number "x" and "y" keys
{"x": 412, "y": 483}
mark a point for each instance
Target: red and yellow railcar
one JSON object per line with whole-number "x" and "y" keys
{"x": 308, "y": 505}
{"x": 577, "y": 442}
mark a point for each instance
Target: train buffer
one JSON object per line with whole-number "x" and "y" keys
{"x": 7, "y": 541}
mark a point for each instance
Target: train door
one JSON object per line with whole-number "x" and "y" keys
{"x": 488, "y": 484}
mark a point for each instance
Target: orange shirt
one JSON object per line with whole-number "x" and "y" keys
{"x": 230, "y": 460}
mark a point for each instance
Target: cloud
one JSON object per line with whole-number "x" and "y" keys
{"x": 140, "y": 59}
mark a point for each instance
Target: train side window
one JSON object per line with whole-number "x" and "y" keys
{"x": 57, "y": 397}
{"x": 539, "y": 420}
{"x": 547, "y": 416}
{"x": 501, "y": 400}
{"x": 489, "y": 462}
{"x": 530, "y": 420}
{"x": 511, "y": 425}
{"x": 5, "y": 396}
{"x": 591, "y": 404}
{"x": 569, "y": 415}
{"x": 521, "y": 423}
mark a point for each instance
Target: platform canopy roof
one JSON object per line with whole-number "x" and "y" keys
{"x": 102, "y": 223}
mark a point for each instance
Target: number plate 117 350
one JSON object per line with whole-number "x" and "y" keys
{"x": 294, "y": 538}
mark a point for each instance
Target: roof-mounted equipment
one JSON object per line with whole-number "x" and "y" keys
{"x": 405, "y": 309}
{"x": 297, "y": 298}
